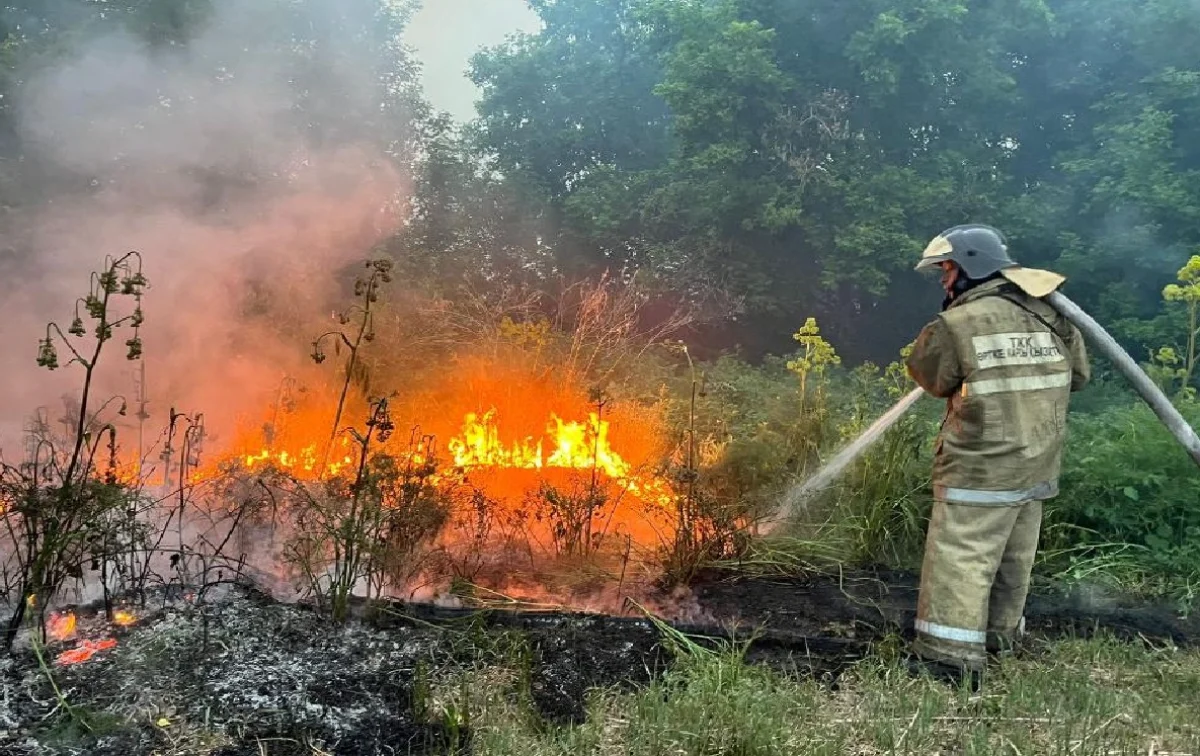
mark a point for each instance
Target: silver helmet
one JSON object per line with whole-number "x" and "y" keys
{"x": 979, "y": 250}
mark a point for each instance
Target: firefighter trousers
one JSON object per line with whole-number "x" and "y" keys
{"x": 974, "y": 580}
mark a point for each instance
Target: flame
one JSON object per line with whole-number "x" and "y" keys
{"x": 567, "y": 445}
{"x": 493, "y": 427}
{"x": 480, "y": 444}
{"x": 62, "y": 626}
{"x": 581, "y": 447}
{"x": 573, "y": 445}
{"x": 85, "y": 651}
{"x": 304, "y": 463}
{"x": 123, "y": 618}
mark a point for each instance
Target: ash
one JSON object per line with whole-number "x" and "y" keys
{"x": 225, "y": 678}
{"x": 245, "y": 674}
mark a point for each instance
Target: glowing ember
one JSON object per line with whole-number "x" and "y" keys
{"x": 61, "y": 626}
{"x": 85, "y": 651}
{"x": 124, "y": 619}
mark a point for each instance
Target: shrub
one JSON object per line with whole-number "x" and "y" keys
{"x": 1126, "y": 482}
{"x": 64, "y": 508}
{"x": 365, "y": 529}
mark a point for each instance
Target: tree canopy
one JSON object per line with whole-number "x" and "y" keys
{"x": 762, "y": 160}
{"x": 793, "y": 156}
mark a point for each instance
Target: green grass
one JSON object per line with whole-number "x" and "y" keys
{"x": 1073, "y": 698}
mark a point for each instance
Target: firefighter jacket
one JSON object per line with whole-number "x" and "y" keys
{"x": 1006, "y": 363}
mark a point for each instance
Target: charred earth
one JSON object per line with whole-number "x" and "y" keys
{"x": 240, "y": 673}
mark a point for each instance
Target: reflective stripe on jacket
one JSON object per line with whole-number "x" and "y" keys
{"x": 1007, "y": 364}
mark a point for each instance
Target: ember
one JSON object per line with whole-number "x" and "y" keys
{"x": 61, "y": 626}
{"x": 85, "y": 651}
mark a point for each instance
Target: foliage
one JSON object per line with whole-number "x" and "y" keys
{"x": 366, "y": 289}
{"x": 815, "y": 357}
{"x": 363, "y": 530}
{"x": 758, "y": 439}
{"x": 365, "y": 524}
{"x": 1187, "y": 293}
{"x": 878, "y": 513}
{"x": 775, "y": 159}
{"x": 1127, "y": 484}
{"x": 64, "y": 507}
{"x": 1127, "y": 488}
{"x": 574, "y": 513}
{"x": 1079, "y": 697}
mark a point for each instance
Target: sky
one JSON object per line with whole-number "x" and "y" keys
{"x": 446, "y": 33}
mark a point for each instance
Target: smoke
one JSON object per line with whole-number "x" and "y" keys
{"x": 250, "y": 166}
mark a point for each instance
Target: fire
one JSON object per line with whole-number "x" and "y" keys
{"x": 61, "y": 626}
{"x": 85, "y": 651}
{"x": 573, "y": 445}
{"x": 478, "y": 444}
{"x": 503, "y": 429}
{"x": 304, "y": 463}
{"x": 566, "y": 445}
{"x": 123, "y": 618}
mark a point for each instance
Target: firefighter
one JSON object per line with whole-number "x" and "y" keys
{"x": 1006, "y": 364}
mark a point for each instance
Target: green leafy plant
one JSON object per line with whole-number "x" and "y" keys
{"x": 815, "y": 358}
{"x": 63, "y": 508}
{"x": 363, "y": 531}
{"x": 1127, "y": 487}
{"x": 1186, "y": 293}
{"x": 359, "y": 315}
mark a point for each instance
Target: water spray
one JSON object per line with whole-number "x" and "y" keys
{"x": 1093, "y": 331}
{"x": 833, "y": 469}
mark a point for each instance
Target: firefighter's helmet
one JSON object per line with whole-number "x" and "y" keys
{"x": 980, "y": 251}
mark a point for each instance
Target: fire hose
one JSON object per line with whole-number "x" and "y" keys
{"x": 1146, "y": 388}
{"x": 1093, "y": 331}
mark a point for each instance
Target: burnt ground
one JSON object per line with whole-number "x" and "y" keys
{"x": 244, "y": 671}
{"x": 865, "y": 605}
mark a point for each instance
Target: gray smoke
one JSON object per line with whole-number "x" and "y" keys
{"x": 248, "y": 166}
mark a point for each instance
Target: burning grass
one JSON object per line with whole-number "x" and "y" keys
{"x": 505, "y": 491}
{"x": 512, "y": 457}
{"x": 506, "y": 455}
{"x": 513, "y": 467}
{"x": 502, "y": 454}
